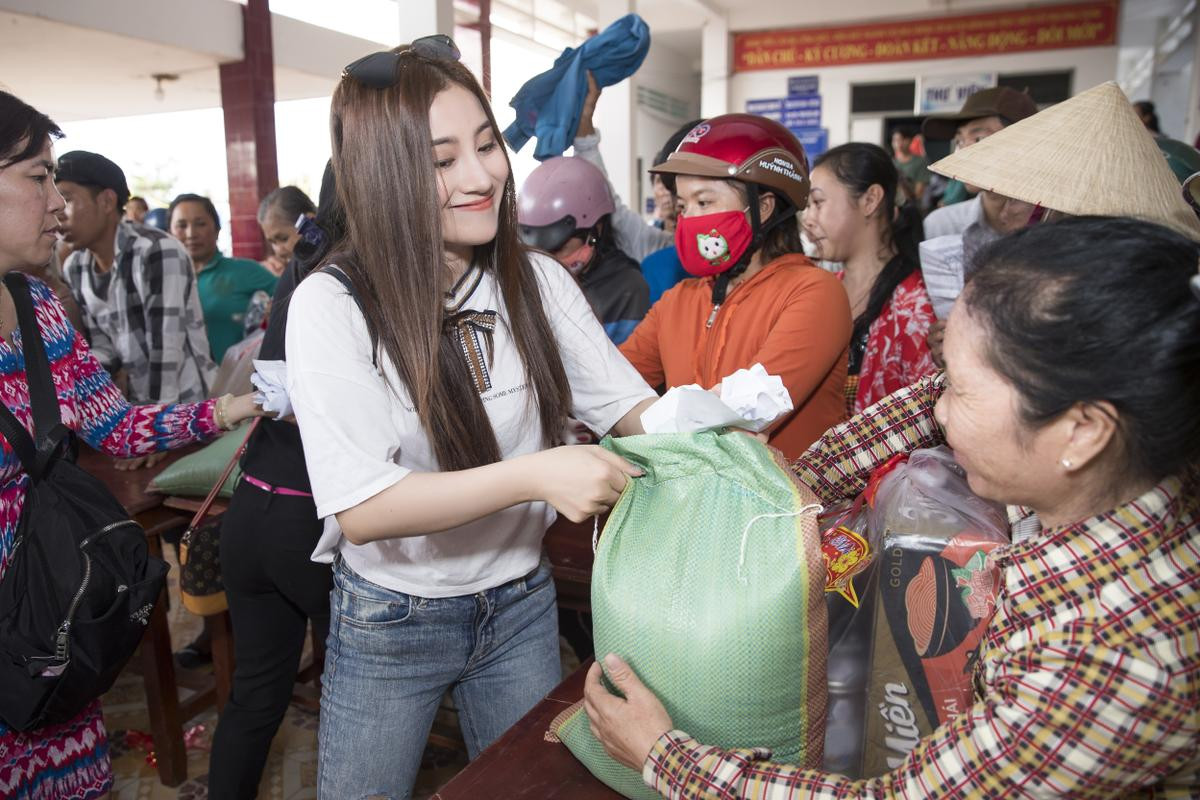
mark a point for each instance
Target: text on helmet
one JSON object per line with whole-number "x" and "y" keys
{"x": 783, "y": 167}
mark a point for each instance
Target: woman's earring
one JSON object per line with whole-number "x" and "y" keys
{"x": 1066, "y": 462}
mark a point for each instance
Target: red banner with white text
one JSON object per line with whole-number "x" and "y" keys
{"x": 1091, "y": 24}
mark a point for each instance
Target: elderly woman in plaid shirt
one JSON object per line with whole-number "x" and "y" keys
{"x": 1071, "y": 391}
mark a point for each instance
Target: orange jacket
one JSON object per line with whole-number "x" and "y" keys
{"x": 792, "y": 317}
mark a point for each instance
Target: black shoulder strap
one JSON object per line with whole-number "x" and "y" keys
{"x": 42, "y": 396}
{"x": 344, "y": 279}
{"x": 19, "y": 438}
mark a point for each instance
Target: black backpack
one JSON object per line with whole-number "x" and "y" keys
{"x": 80, "y": 585}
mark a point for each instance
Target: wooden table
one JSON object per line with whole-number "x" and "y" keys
{"x": 167, "y": 713}
{"x": 522, "y": 764}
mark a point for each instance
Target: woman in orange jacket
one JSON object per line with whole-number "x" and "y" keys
{"x": 755, "y": 297}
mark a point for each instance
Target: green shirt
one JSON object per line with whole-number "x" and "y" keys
{"x": 956, "y": 192}
{"x": 226, "y": 286}
{"x": 916, "y": 169}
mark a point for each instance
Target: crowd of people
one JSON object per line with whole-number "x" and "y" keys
{"x": 445, "y": 330}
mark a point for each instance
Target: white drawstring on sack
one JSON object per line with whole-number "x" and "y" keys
{"x": 817, "y": 507}
{"x": 746, "y": 531}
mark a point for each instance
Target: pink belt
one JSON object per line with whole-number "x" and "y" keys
{"x": 266, "y": 487}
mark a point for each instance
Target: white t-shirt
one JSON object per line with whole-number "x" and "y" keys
{"x": 361, "y": 433}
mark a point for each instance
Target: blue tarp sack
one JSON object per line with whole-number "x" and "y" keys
{"x": 548, "y": 105}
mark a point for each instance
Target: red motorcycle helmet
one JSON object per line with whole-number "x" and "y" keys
{"x": 746, "y": 148}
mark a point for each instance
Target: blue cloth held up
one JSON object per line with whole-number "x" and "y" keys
{"x": 548, "y": 105}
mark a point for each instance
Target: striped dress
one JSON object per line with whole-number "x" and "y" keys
{"x": 70, "y": 761}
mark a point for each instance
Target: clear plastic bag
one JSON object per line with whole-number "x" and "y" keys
{"x": 928, "y": 494}
{"x": 904, "y": 634}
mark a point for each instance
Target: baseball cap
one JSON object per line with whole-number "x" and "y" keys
{"x": 1000, "y": 101}
{"x": 92, "y": 169}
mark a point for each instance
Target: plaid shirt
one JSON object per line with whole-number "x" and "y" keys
{"x": 144, "y": 315}
{"x": 1089, "y": 681}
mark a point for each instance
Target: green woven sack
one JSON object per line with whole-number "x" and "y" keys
{"x": 194, "y": 475}
{"x": 709, "y": 582}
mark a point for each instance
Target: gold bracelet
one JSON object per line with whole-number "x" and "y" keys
{"x": 220, "y": 412}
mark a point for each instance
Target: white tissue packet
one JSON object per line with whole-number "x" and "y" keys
{"x": 270, "y": 379}
{"x": 750, "y": 399}
{"x": 688, "y": 409}
{"x": 758, "y": 397}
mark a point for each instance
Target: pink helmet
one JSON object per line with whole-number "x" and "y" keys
{"x": 562, "y": 196}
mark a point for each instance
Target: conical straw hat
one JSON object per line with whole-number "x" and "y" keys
{"x": 1087, "y": 155}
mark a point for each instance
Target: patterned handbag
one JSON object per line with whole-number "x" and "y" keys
{"x": 200, "y": 581}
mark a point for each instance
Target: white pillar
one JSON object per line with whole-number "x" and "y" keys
{"x": 419, "y": 18}
{"x": 615, "y": 117}
{"x": 714, "y": 67}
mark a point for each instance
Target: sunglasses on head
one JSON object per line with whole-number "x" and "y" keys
{"x": 378, "y": 70}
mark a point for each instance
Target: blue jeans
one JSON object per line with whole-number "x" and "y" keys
{"x": 391, "y": 657}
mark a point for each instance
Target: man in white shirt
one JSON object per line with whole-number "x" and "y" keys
{"x": 983, "y": 114}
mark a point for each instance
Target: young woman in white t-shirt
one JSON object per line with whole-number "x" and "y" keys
{"x": 432, "y": 454}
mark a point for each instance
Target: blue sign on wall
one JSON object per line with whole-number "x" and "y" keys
{"x": 765, "y": 107}
{"x": 784, "y": 105}
{"x": 800, "y": 112}
{"x": 803, "y": 84}
{"x": 794, "y": 112}
{"x": 814, "y": 140}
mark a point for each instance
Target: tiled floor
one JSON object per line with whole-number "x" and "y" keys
{"x": 291, "y": 771}
{"x": 291, "y": 767}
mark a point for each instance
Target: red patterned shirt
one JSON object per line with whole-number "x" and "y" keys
{"x": 1089, "y": 682}
{"x": 897, "y": 353}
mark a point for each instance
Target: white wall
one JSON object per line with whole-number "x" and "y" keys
{"x": 1091, "y": 65}
{"x": 677, "y": 76}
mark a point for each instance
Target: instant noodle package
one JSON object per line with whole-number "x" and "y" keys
{"x": 911, "y": 592}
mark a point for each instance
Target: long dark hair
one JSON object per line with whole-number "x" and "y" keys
{"x": 784, "y": 236}
{"x": 23, "y": 130}
{"x": 858, "y": 167}
{"x": 393, "y": 254}
{"x": 1064, "y": 332}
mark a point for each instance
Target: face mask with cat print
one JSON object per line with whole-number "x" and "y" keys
{"x": 709, "y": 244}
